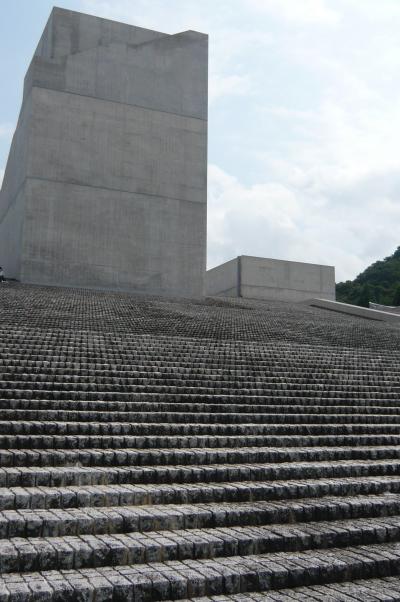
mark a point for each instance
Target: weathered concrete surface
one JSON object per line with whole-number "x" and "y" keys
{"x": 356, "y": 310}
{"x": 273, "y": 279}
{"x": 388, "y": 308}
{"x": 223, "y": 280}
{"x": 106, "y": 181}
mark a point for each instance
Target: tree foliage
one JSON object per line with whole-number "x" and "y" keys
{"x": 379, "y": 283}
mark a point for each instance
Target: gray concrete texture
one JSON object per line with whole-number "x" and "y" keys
{"x": 355, "y": 310}
{"x": 106, "y": 182}
{"x": 388, "y": 308}
{"x": 272, "y": 279}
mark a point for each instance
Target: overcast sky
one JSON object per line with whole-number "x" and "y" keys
{"x": 304, "y": 120}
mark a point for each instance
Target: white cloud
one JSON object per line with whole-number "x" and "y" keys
{"x": 6, "y": 130}
{"x": 1, "y": 176}
{"x": 284, "y": 222}
{"x": 314, "y": 12}
{"x": 233, "y": 85}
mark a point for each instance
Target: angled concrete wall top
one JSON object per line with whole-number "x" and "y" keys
{"x": 356, "y": 310}
{"x": 105, "y": 59}
{"x": 262, "y": 278}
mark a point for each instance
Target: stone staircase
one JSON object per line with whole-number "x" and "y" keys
{"x": 172, "y": 449}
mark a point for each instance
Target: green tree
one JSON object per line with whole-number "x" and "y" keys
{"x": 382, "y": 279}
{"x": 365, "y": 296}
{"x": 396, "y": 296}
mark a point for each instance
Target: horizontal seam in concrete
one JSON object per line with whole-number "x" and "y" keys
{"x": 232, "y": 288}
{"x": 157, "y": 196}
{"x": 126, "y": 104}
{"x": 282, "y": 288}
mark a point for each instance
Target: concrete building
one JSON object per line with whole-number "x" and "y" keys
{"x": 273, "y": 279}
{"x": 106, "y": 180}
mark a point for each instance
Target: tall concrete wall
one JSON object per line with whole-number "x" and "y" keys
{"x": 115, "y": 175}
{"x": 273, "y": 279}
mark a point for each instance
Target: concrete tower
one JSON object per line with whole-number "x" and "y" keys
{"x": 105, "y": 184}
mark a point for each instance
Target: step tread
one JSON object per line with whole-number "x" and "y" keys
{"x": 120, "y": 519}
{"x": 88, "y": 550}
{"x": 194, "y": 578}
{"x": 386, "y": 589}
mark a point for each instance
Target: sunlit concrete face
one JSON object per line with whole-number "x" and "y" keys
{"x": 106, "y": 182}
{"x": 271, "y": 279}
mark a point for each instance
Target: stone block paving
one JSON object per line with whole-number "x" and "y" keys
{"x": 171, "y": 449}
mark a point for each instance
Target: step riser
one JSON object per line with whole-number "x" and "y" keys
{"x": 128, "y": 495}
{"x": 191, "y": 396}
{"x": 259, "y": 384}
{"x": 133, "y": 457}
{"x": 385, "y": 589}
{"x": 236, "y": 370}
{"x": 69, "y": 476}
{"x": 132, "y": 548}
{"x": 119, "y": 519}
{"x": 198, "y": 418}
{"x": 181, "y": 387}
{"x": 209, "y": 578}
{"x": 283, "y": 408}
{"x": 143, "y": 429}
{"x": 116, "y": 442}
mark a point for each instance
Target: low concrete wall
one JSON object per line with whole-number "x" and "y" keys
{"x": 355, "y": 310}
{"x": 274, "y": 279}
{"x": 387, "y": 308}
{"x": 263, "y": 278}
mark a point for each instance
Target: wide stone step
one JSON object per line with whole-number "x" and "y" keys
{"x": 131, "y": 344}
{"x": 77, "y": 368}
{"x": 143, "y": 319}
{"x": 226, "y": 418}
{"x": 385, "y": 589}
{"x": 295, "y": 406}
{"x": 15, "y": 498}
{"x": 120, "y": 442}
{"x": 124, "y": 519}
{"x": 183, "y": 387}
{"x": 203, "y": 456}
{"x": 83, "y": 551}
{"x": 207, "y": 577}
{"x": 22, "y": 427}
{"x": 190, "y": 394}
{"x": 196, "y": 473}
{"x": 78, "y": 376}
{"x": 341, "y": 372}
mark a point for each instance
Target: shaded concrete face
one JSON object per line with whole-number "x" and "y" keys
{"x": 272, "y": 279}
{"x": 106, "y": 180}
{"x": 223, "y": 280}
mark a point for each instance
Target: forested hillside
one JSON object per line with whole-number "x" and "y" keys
{"x": 379, "y": 283}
